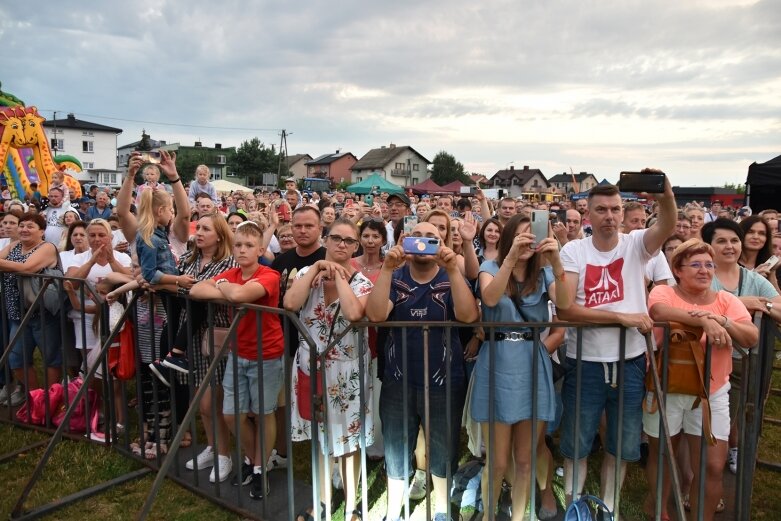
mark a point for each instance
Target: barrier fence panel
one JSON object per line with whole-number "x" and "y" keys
{"x": 426, "y": 387}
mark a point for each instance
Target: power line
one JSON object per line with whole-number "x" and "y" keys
{"x": 170, "y": 124}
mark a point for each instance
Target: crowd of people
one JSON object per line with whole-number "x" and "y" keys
{"x": 337, "y": 259}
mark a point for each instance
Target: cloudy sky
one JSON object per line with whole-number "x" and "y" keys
{"x": 690, "y": 86}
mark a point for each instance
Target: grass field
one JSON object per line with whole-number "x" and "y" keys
{"x": 75, "y": 466}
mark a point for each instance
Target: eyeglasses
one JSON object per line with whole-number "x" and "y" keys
{"x": 346, "y": 240}
{"x": 285, "y": 237}
{"x": 397, "y": 204}
{"x": 699, "y": 265}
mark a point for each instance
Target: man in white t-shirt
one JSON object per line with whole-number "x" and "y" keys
{"x": 606, "y": 274}
{"x": 53, "y": 214}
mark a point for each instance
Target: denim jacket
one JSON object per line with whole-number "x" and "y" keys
{"x": 156, "y": 260}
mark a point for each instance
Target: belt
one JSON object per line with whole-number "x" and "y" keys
{"x": 513, "y": 336}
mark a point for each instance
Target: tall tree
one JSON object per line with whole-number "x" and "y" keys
{"x": 253, "y": 159}
{"x": 446, "y": 169}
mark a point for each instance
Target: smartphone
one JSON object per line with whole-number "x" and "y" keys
{"x": 151, "y": 157}
{"x": 467, "y": 190}
{"x": 282, "y": 211}
{"x": 369, "y": 199}
{"x": 558, "y": 216}
{"x": 642, "y": 182}
{"x": 420, "y": 245}
{"x": 410, "y": 221}
{"x": 772, "y": 261}
{"x": 540, "y": 225}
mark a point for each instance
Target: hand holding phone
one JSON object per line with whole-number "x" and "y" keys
{"x": 648, "y": 182}
{"x": 420, "y": 245}
{"x": 539, "y": 226}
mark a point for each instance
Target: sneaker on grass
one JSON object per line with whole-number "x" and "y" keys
{"x": 417, "y": 490}
{"x": 258, "y": 488}
{"x": 732, "y": 458}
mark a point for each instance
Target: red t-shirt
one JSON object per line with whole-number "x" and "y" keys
{"x": 247, "y": 331}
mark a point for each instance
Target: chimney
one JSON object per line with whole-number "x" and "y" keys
{"x": 392, "y": 145}
{"x": 512, "y": 167}
{"x": 218, "y": 146}
{"x": 525, "y": 167}
{"x": 198, "y": 144}
{"x": 71, "y": 118}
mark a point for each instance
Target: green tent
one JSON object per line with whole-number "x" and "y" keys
{"x": 365, "y": 186}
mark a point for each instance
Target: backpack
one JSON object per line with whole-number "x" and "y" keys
{"x": 78, "y": 420}
{"x": 580, "y": 511}
{"x": 466, "y": 487}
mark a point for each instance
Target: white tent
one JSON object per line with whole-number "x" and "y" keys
{"x": 222, "y": 185}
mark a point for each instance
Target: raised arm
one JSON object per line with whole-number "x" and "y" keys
{"x": 181, "y": 224}
{"x": 127, "y": 220}
{"x": 667, "y": 217}
{"x": 464, "y": 303}
{"x": 378, "y": 304}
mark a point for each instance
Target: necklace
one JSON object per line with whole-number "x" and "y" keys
{"x": 369, "y": 269}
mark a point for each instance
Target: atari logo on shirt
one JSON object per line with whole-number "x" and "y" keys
{"x": 604, "y": 284}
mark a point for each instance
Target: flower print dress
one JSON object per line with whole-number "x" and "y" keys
{"x": 341, "y": 373}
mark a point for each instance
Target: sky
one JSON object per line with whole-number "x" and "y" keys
{"x": 690, "y": 87}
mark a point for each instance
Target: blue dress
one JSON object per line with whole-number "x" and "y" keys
{"x": 513, "y": 393}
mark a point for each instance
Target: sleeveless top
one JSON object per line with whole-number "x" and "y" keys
{"x": 13, "y": 296}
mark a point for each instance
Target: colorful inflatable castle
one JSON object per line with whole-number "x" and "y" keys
{"x": 25, "y": 156}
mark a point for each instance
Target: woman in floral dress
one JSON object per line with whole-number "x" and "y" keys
{"x": 330, "y": 294}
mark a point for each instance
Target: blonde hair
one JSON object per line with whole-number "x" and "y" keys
{"x": 250, "y": 229}
{"x": 150, "y": 204}
{"x": 225, "y": 243}
{"x": 448, "y": 238}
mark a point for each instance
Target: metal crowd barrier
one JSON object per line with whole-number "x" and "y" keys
{"x": 182, "y": 415}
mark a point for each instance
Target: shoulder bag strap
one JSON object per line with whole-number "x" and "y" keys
{"x": 699, "y": 358}
{"x": 740, "y": 280}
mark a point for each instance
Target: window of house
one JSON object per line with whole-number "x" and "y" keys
{"x": 57, "y": 144}
{"x": 86, "y": 133}
{"x": 535, "y": 183}
{"x": 86, "y": 146}
{"x": 415, "y": 167}
{"x": 399, "y": 166}
{"x": 87, "y": 165}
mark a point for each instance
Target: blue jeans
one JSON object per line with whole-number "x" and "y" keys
{"x": 444, "y": 442}
{"x": 46, "y": 337}
{"x": 597, "y": 395}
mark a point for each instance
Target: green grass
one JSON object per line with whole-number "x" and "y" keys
{"x": 75, "y": 466}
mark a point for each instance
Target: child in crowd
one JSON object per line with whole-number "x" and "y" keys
{"x": 255, "y": 284}
{"x": 202, "y": 184}
{"x": 58, "y": 181}
{"x": 151, "y": 174}
{"x": 158, "y": 266}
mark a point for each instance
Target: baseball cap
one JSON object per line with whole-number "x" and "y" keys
{"x": 401, "y": 197}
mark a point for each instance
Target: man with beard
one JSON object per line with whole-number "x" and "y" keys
{"x": 430, "y": 288}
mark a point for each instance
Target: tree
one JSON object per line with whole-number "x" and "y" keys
{"x": 741, "y": 189}
{"x": 446, "y": 169}
{"x": 253, "y": 159}
{"x": 188, "y": 159}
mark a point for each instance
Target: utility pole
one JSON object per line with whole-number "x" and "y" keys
{"x": 282, "y": 153}
{"x": 56, "y": 139}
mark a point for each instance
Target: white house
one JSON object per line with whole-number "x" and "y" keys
{"x": 93, "y": 144}
{"x": 402, "y": 165}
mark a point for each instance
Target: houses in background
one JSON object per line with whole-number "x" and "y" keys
{"x": 401, "y": 165}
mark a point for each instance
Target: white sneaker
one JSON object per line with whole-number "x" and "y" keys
{"x": 417, "y": 490}
{"x": 205, "y": 459}
{"x": 275, "y": 461}
{"x": 4, "y": 394}
{"x": 336, "y": 478}
{"x": 18, "y": 397}
{"x": 224, "y": 467}
{"x": 733, "y": 460}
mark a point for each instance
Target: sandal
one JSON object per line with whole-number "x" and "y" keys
{"x": 686, "y": 503}
{"x": 150, "y": 452}
{"x": 356, "y": 516}
{"x": 135, "y": 448}
{"x": 720, "y": 507}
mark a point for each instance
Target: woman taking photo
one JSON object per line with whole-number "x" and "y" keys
{"x": 516, "y": 287}
{"x": 723, "y": 320}
{"x": 330, "y": 294}
{"x": 30, "y": 254}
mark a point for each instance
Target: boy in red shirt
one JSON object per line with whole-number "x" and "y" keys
{"x": 250, "y": 283}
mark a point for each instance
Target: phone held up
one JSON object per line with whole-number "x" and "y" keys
{"x": 652, "y": 183}
{"x": 410, "y": 221}
{"x": 467, "y": 190}
{"x": 420, "y": 245}
{"x": 539, "y": 227}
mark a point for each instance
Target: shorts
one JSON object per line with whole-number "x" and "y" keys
{"x": 598, "y": 395}
{"x": 681, "y": 416}
{"x": 46, "y": 337}
{"x": 400, "y": 445}
{"x": 244, "y": 385}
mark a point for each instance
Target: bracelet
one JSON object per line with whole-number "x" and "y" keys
{"x": 726, "y": 324}
{"x": 177, "y": 180}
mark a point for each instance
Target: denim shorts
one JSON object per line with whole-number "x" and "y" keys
{"x": 245, "y": 384}
{"x": 444, "y": 442}
{"x": 46, "y": 337}
{"x": 598, "y": 394}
